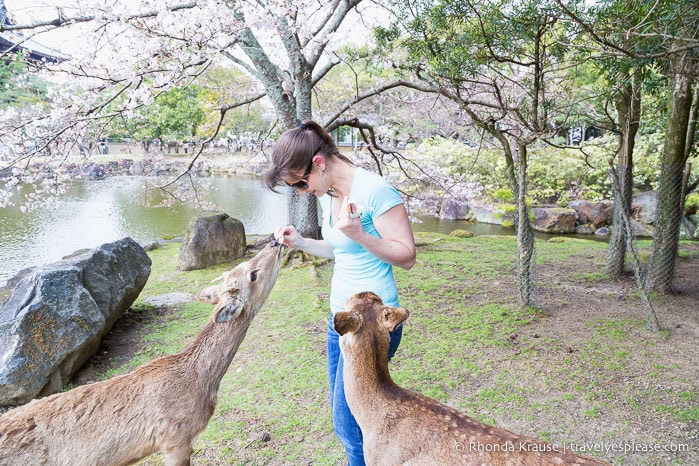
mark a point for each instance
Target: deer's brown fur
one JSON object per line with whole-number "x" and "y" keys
{"x": 402, "y": 427}
{"x": 160, "y": 406}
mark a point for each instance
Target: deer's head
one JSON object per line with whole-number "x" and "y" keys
{"x": 244, "y": 289}
{"x": 365, "y": 323}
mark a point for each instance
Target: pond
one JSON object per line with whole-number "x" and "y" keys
{"x": 92, "y": 213}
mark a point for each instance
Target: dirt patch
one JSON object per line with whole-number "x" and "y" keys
{"x": 611, "y": 311}
{"x": 120, "y": 345}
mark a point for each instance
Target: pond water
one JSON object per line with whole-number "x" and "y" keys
{"x": 92, "y": 213}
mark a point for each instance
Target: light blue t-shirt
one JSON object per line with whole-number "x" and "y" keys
{"x": 356, "y": 269}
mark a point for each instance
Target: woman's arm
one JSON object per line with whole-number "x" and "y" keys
{"x": 290, "y": 237}
{"x": 396, "y": 245}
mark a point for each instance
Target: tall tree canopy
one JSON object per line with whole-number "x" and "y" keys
{"x": 134, "y": 52}
{"x": 502, "y": 62}
{"x": 630, "y": 38}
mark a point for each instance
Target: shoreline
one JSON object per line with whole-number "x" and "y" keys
{"x": 125, "y": 159}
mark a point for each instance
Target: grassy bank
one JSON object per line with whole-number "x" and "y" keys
{"x": 579, "y": 370}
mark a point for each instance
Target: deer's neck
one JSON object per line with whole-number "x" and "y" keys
{"x": 213, "y": 349}
{"x": 369, "y": 389}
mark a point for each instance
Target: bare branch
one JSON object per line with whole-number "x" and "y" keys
{"x": 247, "y": 101}
{"x": 378, "y": 90}
{"x": 329, "y": 10}
{"x": 330, "y": 27}
{"x": 240, "y": 63}
{"x": 62, "y": 21}
{"x": 368, "y": 134}
{"x": 319, "y": 73}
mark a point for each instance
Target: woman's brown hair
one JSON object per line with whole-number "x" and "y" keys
{"x": 295, "y": 149}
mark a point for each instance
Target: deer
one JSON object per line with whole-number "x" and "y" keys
{"x": 162, "y": 405}
{"x": 403, "y": 427}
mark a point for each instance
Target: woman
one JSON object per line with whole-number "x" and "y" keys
{"x": 365, "y": 230}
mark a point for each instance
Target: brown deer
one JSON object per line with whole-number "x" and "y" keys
{"x": 402, "y": 427}
{"x": 160, "y": 406}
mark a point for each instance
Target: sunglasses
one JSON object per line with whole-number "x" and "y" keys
{"x": 303, "y": 183}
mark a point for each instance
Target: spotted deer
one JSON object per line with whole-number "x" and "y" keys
{"x": 402, "y": 427}
{"x": 160, "y": 406}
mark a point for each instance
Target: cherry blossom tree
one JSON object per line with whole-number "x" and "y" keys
{"x": 131, "y": 52}
{"x": 128, "y": 54}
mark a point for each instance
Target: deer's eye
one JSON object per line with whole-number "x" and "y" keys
{"x": 253, "y": 275}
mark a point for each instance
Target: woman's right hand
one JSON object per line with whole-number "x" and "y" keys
{"x": 291, "y": 238}
{"x": 288, "y": 236}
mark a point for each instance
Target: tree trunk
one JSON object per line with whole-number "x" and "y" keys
{"x": 666, "y": 237}
{"x": 629, "y": 109}
{"x": 303, "y": 209}
{"x": 526, "y": 279}
{"x": 689, "y": 144}
{"x": 523, "y": 229}
{"x": 303, "y": 213}
{"x": 692, "y": 125}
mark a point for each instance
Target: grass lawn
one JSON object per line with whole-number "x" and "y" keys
{"x": 580, "y": 369}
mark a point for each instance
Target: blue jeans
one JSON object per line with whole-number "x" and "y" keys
{"x": 345, "y": 426}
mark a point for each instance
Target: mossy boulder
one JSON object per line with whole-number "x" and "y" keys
{"x": 461, "y": 233}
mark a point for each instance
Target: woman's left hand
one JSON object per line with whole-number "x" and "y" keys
{"x": 349, "y": 221}
{"x": 395, "y": 246}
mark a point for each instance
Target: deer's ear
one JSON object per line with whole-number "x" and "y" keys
{"x": 229, "y": 307}
{"x": 209, "y": 294}
{"x": 392, "y": 317}
{"x": 345, "y": 321}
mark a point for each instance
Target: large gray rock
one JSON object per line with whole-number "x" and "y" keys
{"x": 453, "y": 209}
{"x": 694, "y": 219}
{"x": 687, "y": 227}
{"x": 644, "y": 207}
{"x": 212, "y": 238}
{"x": 57, "y": 314}
{"x": 594, "y": 213}
{"x": 586, "y": 229}
{"x": 641, "y": 229}
{"x": 554, "y": 219}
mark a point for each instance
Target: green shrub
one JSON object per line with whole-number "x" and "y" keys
{"x": 458, "y": 161}
{"x": 691, "y": 204}
{"x": 503, "y": 195}
{"x": 555, "y": 175}
{"x": 461, "y": 234}
{"x": 508, "y": 211}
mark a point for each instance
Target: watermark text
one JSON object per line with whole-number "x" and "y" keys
{"x": 605, "y": 448}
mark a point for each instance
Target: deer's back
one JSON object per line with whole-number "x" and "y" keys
{"x": 124, "y": 419}
{"x": 418, "y": 430}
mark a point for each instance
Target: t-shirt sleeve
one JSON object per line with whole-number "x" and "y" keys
{"x": 385, "y": 197}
